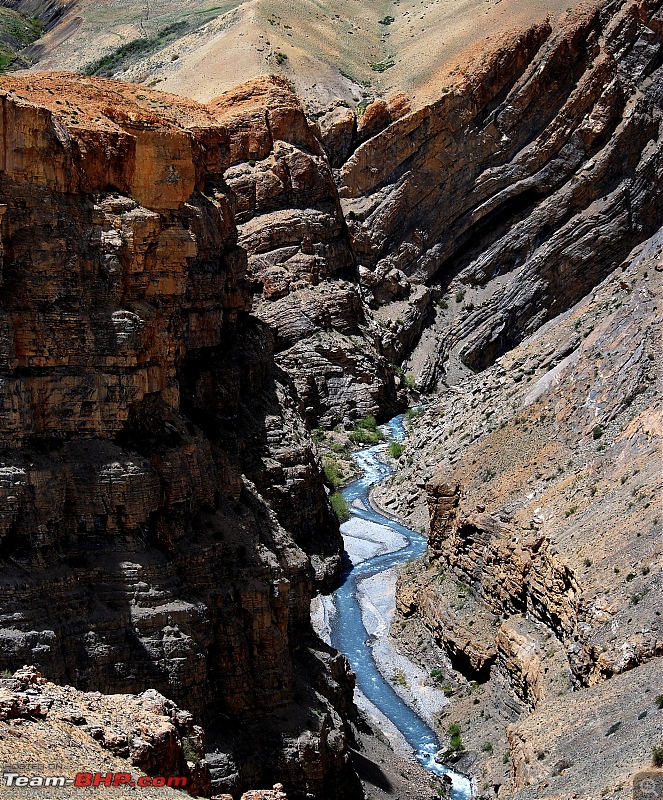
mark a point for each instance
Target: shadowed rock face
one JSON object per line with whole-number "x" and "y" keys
{"x": 163, "y": 521}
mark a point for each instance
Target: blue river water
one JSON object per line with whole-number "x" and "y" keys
{"x": 348, "y": 633}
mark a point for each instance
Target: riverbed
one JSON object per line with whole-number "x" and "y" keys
{"x": 356, "y": 617}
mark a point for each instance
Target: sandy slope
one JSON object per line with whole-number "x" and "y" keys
{"x": 330, "y": 46}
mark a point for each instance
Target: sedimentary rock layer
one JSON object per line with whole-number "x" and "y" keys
{"x": 544, "y": 564}
{"x": 163, "y": 517}
{"x": 523, "y": 186}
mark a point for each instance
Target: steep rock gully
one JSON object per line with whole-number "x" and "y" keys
{"x": 348, "y": 633}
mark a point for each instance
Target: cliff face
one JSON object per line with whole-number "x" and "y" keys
{"x": 291, "y": 225}
{"x": 522, "y": 187}
{"x": 163, "y": 517}
{"x": 543, "y": 568}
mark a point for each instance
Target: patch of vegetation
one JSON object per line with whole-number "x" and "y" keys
{"x": 16, "y": 32}
{"x": 281, "y": 58}
{"x": 384, "y": 65}
{"x": 456, "y": 743}
{"x": 460, "y": 295}
{"x": 411, "y": 413}
{"x": 597, "y": 432}
{"x": 442, "y": 303}
{"x": 409, "y": 380}
{"x": 386, "y": 20}
{"x": 395, "y": 448}
{"x": 657, "y": 755}
{"x": 332, "y": 471}
{"x": 399, "y": 678}
{"x": 189, "y": 749}
{"x": 487, "y": 747}
{"x": 366, "y": 432}
{"x": 453, "y": 729}
{"x": 340, "y": 506}
{"x": 145, "y": 46}
{"x": 659, "y": 701}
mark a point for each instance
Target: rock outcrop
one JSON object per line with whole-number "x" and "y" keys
{"x": 163, "y": 517}
{"x": 49, "y": 730}
{"x": 290, "y": 224}
{"x": 544, "y": 561}
{"x": 522, "y": 187}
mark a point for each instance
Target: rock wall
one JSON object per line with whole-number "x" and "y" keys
{"x": 542, "y": 579}
{"x": 302, "y": 268}
{"x": 163, "y": 519}
{"x": 522, "y": 187}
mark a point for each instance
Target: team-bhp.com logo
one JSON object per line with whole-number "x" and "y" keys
{"x": 86, "y": 780}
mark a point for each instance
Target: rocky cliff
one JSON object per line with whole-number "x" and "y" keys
{"x": 291, "y": 225}
{"x": 521, "y": 188}
{"x": 163, "y": 517}
{"x": 543, "y": 569}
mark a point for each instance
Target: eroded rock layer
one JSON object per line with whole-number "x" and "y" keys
{"x": 163, "y": 519}
{"x": 543, "y": 571}
{"x": 522, "y": 187}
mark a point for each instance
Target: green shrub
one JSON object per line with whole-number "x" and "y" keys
{"x": 333, "y": 472}
{"x": 281, "y": 58}
{"x": 456, "y": 742}
{"x": 386, "y": 20}
{"x": 460, "y": 294}
{"x": 659, "y": 701}
{"x": 453, "y": 729}
{"x": 487, "y": 747}
{"x": 597, "y": 432}
{"x": 410, "y": 381}
{"x": 382, "y": 66}
{"x": 366, "y": 432}
{"x": 395, "y": 449}
{"x": 340, "y": 506}
{"x": 657, "y": 755}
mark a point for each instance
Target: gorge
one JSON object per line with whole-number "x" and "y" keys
{"x": 201, "y": 301}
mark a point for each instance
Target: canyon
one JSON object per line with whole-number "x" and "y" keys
{"x": 197, "y": 297}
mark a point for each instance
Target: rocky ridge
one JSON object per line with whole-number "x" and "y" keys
{"x": 164, "y": 520}
{"x": 520, "y": 189}
{"x": 543, "y": 571}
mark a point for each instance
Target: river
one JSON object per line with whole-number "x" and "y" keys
{"x": 348, "y": 633}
